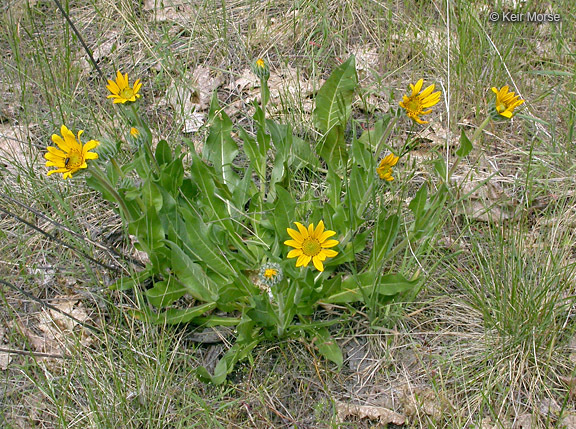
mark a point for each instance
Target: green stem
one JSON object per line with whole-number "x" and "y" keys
{"x": 117, "y": 167}
{"x": 386, "y": 134}
{"x": 474, "y": 137}
{"x": 480, "y": 129}
{"x": 264, "y": 96}
{"x": 148, "y": 140}
{"x": 264, "y": 93}
{"x": 97, "y": 173}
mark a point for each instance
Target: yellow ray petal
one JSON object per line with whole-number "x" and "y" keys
{"x": 329, "y": 253}
{"x": 294, "y": 253}
{"x": 302, "y": 230}
{"x": 319, "y": 229}
{"x": 295, "y": 235}
{"x": 303, "y": 260}
{"x": 329, "y": 243}
{"x": 325, "y": 235}
{"x": 294, "y": 243}
{"x": 318, "y": 264}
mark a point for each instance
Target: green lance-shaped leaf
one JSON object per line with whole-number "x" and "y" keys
{"x": 203, "y": 247}
{"x": 418, "y": 203}
{"x": 426, "y": 210}
{"x": 174, "y": 316}
{"x": 363, "y": 157}
{"x": 172, "y": 176}
{"x": 165, "y": 292}
{"x": 338, "y": 88}
{"x": 358, "y": 185}
{"x": 372, "y": 138}
{"x": 393, "y": 284}
{"x": 440, "y": 167}
{"x": 163, "y": 153}
{"x": 192, "y": 276}
{"x": 284, "y": 208}
{"x": 356, "y": 288}
{"x": 152, "y": 195}
{"x": 262, "y": 313}
{"x": 220, "y": 149}
{"x": 465, "y": 146}
{"x": 256, "y": 157}
{"x": 204, "y": 179}
{"x": 245, "y": 189}
{"x": 384, "y": 236}
{"x": 334, "y": 191}
{"x": 148, "y": 229}
{"x": 128, "y": 282}
{"x": 301, "y": 155}
{"x": 333, "y": 107}
{"x": 282, "y": 139}
{"x": 327, "y": 346}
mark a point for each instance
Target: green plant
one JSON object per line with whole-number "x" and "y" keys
{"x": 218, "y": 235}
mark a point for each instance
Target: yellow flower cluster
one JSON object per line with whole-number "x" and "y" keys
{"x": 71, "y": 155}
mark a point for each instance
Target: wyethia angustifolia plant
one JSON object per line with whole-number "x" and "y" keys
{"x": 262, "y": 230}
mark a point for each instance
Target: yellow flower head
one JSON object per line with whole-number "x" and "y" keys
{"x": 311, "y": 244}
{"x": 121, "y": 91}
{"x": 134, "y": 132}
{"x": 419, "y": 100}
{"x": 70, "y": 155}
{"x": 506, "y": 101}
{"x": 260, "y": 69}
{"x": 270, "y": 274}
{"x": 385, "y": 168}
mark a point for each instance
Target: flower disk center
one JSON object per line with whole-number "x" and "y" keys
{"x": 270, "y": 273}
{"x": 311, "y": 247}
{"x": 74, "y": 160}
{"x": 127, "y": 93}
{"x": 414, "y": 105}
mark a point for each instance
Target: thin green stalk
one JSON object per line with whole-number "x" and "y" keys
{"x": 480, "y": 128}
{"x": 473, "y": 139}
{"x": 97, "y": 173}
{"x": 386, "y": 134}
{"x": 264, "y": 96}
{"x": 144, "y": 126}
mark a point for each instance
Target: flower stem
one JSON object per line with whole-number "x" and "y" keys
{"x": 480, "y": 129}
{"x": 98, "y": 175}
{"x": 472, "y": 140}
{"x": 117, "y": 167}
{"x": 135, "y": 116}
{"x": 386, "y": 134}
